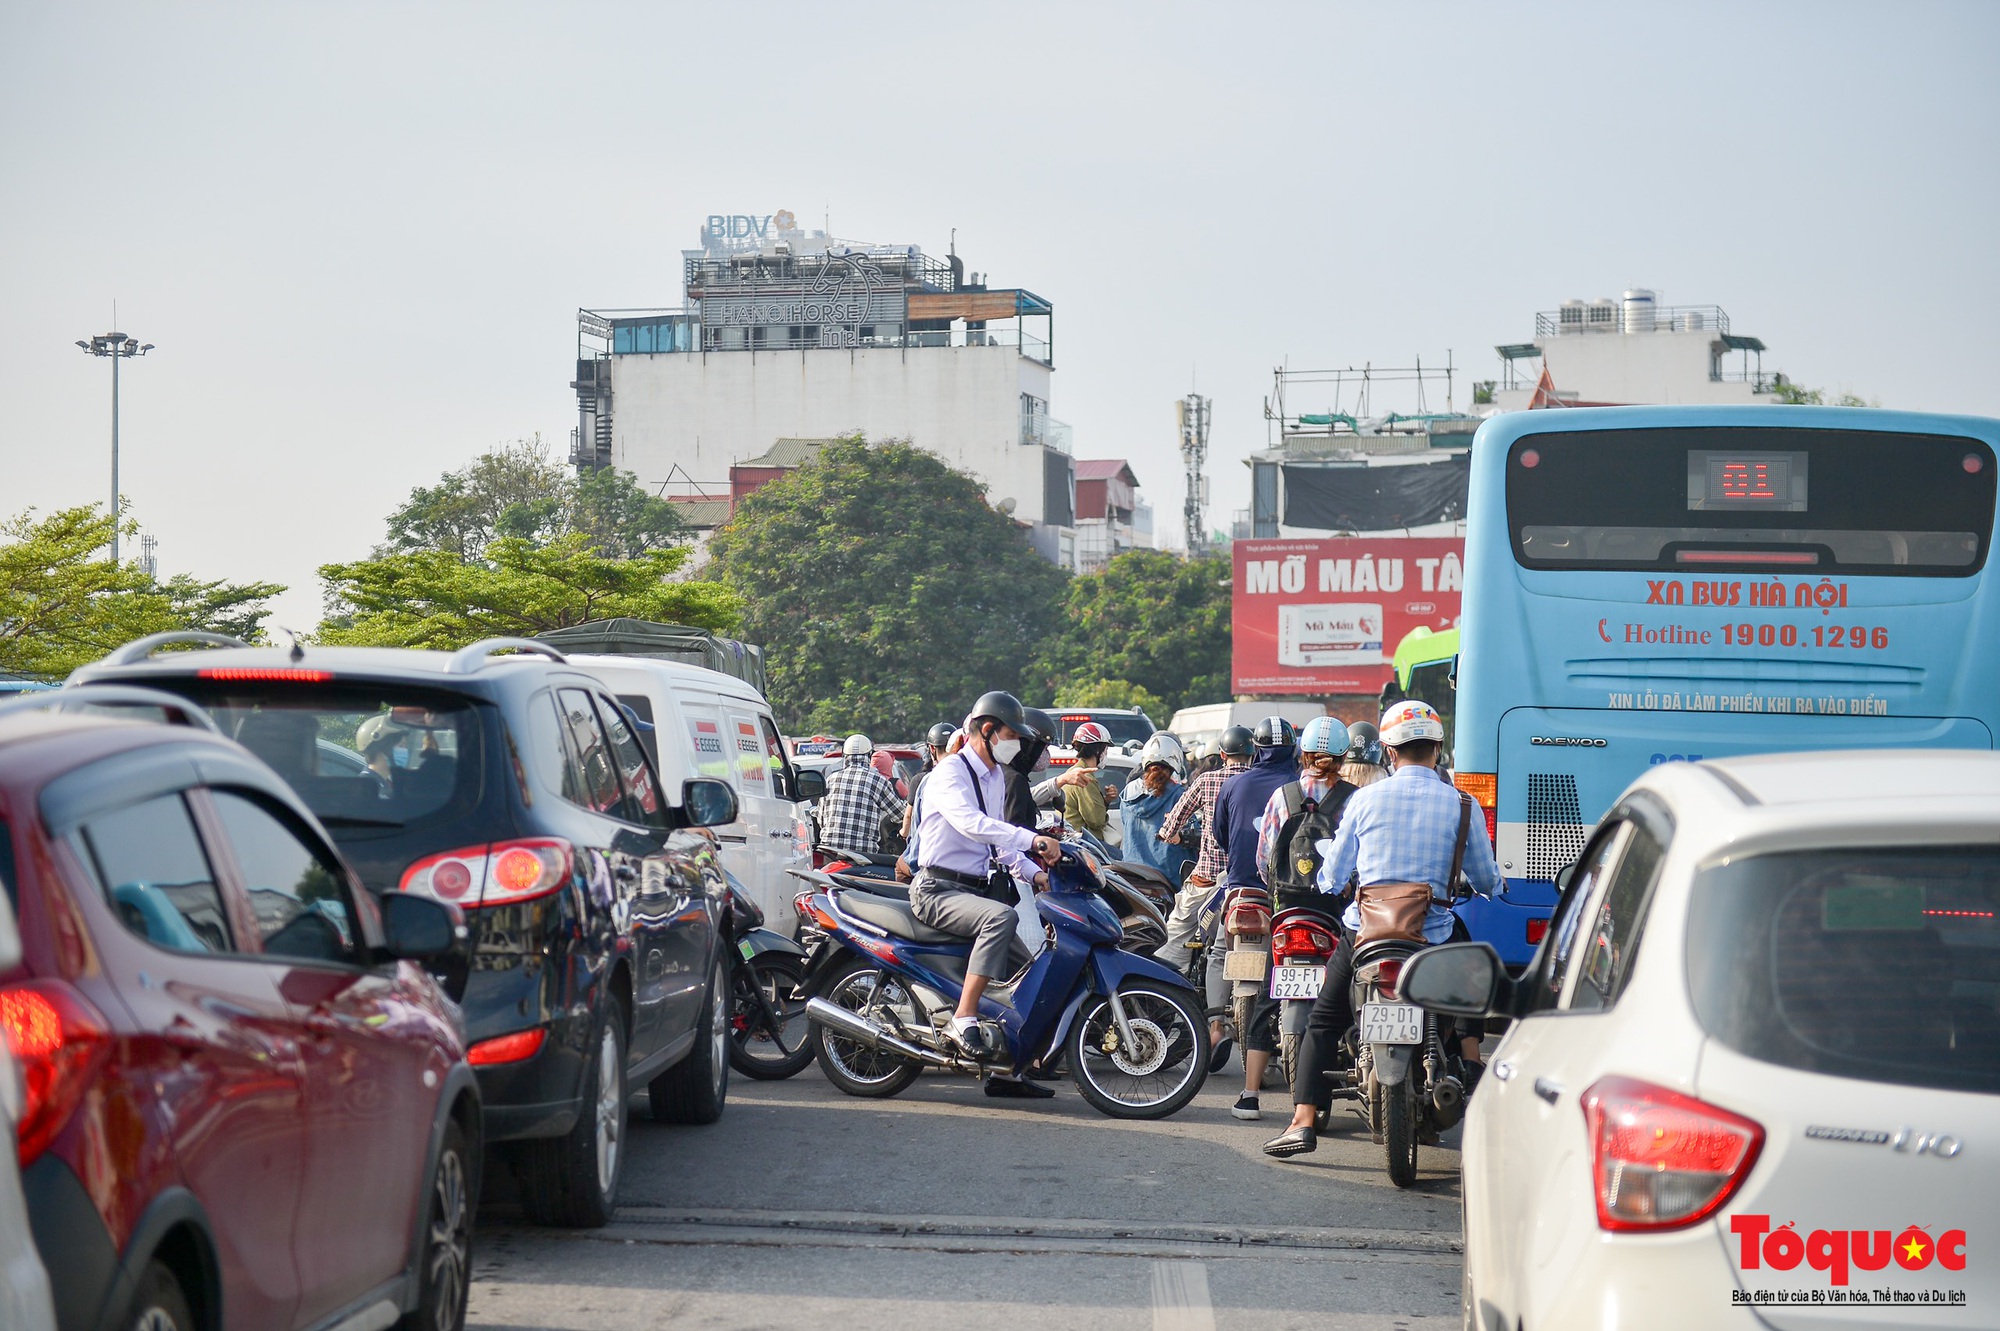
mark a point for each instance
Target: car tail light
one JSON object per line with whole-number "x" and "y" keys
{"x": 1301, "y": 940}
{"x": 507, "y": 1048}
{"x": 1538, "y": 929}
{"x": 1387, "y": 973}
{"x": 1660, "y": 1159}
{"x": 500, "y": 873}
{"x": 60, "y": 1041}
{"x": 1484, "y": 787}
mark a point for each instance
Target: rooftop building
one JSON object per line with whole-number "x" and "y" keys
{"x": 1111, "y": 518}
{"x": 1628, "y": 351}
{"x": 784, "y": 334}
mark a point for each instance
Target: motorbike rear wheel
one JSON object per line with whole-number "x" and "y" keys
{"x": 851, "y": 1066}
{"x": 1399, "y": 1129}
{"x": 1158, "y": 1077}
{"x": 755, "y": 1050}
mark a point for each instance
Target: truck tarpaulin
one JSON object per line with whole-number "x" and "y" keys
{"x": 1324, "y": 616}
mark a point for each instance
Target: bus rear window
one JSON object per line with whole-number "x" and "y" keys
{"x": 1751, "y": 500}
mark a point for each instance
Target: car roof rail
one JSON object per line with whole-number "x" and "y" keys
{"x": 467, "y": 660}
{"x": 140, "y": 649}
{"x": 82, "y": 697}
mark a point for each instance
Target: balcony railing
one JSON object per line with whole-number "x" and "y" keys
{"x": 603, "y": 333}
{"x": 1046, "y": 431}
{"x": 1610, "y": 318}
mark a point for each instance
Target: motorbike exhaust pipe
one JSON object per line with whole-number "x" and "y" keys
{"x": 1448, "y": 1099}
{"x": 855, "y": 1028}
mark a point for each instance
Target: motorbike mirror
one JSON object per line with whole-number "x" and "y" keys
{"x": 1457, "y": 979}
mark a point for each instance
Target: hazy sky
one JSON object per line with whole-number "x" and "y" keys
{"x": 359, "y": 233}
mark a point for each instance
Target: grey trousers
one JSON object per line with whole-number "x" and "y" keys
{"x": 1181, "y": 926}
{"x": 989, "y": 924}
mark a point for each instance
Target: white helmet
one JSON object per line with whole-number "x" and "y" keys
{"x": 1411, "y": 720}
{"x": 1164, "y": 748}
{"x": 858, "y": 746}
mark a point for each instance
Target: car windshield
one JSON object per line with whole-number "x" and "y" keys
{"x": 360, "y": 756}
{"x": 1881, "y": 965}
{"x": 1123, "y": 726}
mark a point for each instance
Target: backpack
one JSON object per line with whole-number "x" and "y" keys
{"x": 1294, "y": 871}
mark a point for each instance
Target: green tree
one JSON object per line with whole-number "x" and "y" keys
{"x": 1799, "y": 395}
{"x": 1113, "y": 693}
{"x": 429, "y": 598}
{"x": 63, "y": 603}
{"x": 517, "y": 491}
{"x": 886, "y": 592}
{"x": 1150, "y": 620}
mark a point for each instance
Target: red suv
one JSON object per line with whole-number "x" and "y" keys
{"x": 247, "y": 1103}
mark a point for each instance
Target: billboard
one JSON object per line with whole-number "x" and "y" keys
{"x": 1324, "y": 616}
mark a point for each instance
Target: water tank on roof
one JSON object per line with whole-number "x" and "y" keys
{"x": 1638, "y": 310}
{"x": 1569, "y": 316}
{"x": 1602, "y": 316}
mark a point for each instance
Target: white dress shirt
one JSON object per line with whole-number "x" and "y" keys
{"x": 956, "y": 835}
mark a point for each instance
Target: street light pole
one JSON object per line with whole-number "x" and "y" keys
{"x": 118, "y": 347}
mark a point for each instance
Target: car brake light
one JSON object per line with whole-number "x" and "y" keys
{"x": 501, "y": 873}
{"x": 1660, "y": 1159}
{"x": 255, "y": 675}
{"x": 1484, "y": 787}
{"x": 1538, "y": 929}
{"x": 59, "y": 1040}
{"x": 507, "y": 1048}
{"x": 1387, "y": 973}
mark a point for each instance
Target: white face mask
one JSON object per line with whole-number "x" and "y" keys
{"x": 1006, "y": 751}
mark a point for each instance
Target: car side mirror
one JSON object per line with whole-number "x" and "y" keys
{"x": 812, "y": 785}
{"x": 418, "y": 928}
{"x": 706, "y": 802}
{"x": 1457, "y": 979}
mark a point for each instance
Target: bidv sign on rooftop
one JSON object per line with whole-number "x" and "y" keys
{"x": 732, "y": 230}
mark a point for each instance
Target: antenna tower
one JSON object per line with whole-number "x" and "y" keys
{"x": 1193, "y": 410}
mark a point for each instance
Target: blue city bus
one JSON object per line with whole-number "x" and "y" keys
{"x": 1664, "y": 584}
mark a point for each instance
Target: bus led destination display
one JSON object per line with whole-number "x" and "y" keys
{"x": 1317, "y": 617}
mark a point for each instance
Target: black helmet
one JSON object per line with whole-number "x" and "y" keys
{"x": 939, "y": 735}
{"x": 1274, "y": 732}
{"x": 1039, "y": 722}
{"x": 1000, "y": 707}
{"x": 1236, "y": 742}
{"x": 1364, "y": 743}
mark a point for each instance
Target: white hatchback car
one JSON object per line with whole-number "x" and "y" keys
{"x": 1753, "y": 1077}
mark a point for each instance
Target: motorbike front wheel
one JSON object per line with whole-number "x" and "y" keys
{"x": 755, "y": 1049}
{"x": 859, "y": 986}
{"x": 1399, "y": 1129}
{"x": 1162, "y": 1070}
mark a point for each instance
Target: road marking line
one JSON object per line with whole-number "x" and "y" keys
{"x": 1180, "y": 1297}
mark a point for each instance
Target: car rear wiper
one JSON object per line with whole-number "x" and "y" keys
{"x": 348, "y": 820}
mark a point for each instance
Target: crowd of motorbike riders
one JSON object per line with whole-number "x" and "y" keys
{"x": 1327, "y": 818}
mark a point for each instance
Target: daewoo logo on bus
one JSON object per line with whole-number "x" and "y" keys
{"x": 1825, "y": 595}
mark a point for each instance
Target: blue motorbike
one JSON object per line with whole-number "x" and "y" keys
{"x": 883, "y": 986}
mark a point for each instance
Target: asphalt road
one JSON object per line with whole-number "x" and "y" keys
{"x": 940, "y": 1208}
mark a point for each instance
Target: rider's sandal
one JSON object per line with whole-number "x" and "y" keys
{"x": 1219, "y": 1059}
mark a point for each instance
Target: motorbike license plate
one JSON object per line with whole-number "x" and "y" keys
{"x": 1296, "y": 981}
{"x": 1392, "y": 1023}
{"x": 1243, "y": 963}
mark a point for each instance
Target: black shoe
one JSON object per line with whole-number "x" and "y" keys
{"x": 1054, "y": 1072}
{"x": 1298, "y": 1141}
{"x": 1009, "y": 1088}
{"x": 1246, "y": 1107}
{"x": 1218, "y": 1059}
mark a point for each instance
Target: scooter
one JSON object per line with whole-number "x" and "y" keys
{"x": 1131, "y": 1032}
{"x": 1406, "y": 1088}
{"x": 1246, "y": 923}
{"x": 767, "y": 1026}
{"x": 1303, "y": 937}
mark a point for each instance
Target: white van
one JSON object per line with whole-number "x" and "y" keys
{"x": 1206, "y": 723}
{"x": 705, "y": 723}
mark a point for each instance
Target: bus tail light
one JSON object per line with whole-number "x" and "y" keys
{"x": 1484, "y": 787}
{"x": 1660, "y": 1159}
